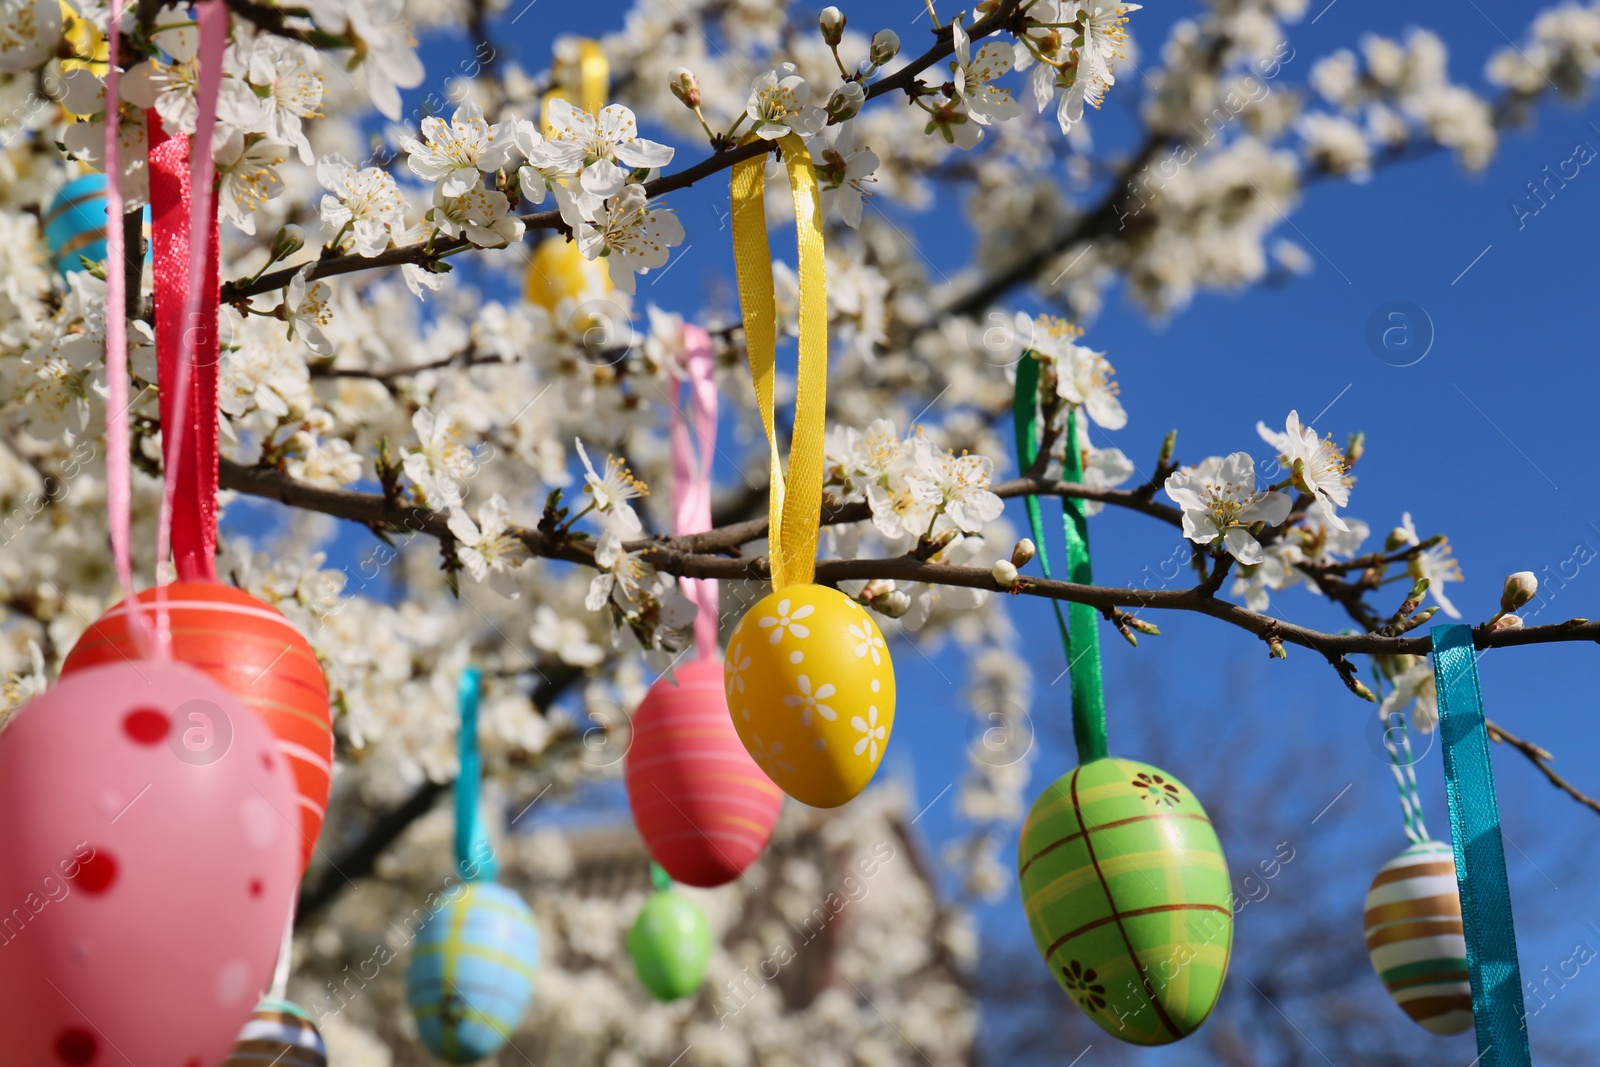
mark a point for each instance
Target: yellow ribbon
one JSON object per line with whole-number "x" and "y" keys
{"x": 794, "y": 505}
{"x": 594, "y": 82}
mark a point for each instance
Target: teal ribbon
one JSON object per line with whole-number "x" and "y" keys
{"x": 475, "y": 860}
{"x": 1081, "y": 638}
{"x": 1497, "y": 1008}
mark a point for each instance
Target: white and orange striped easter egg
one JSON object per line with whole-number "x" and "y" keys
{"x": 254, "y": 652}
{"x": 1415, "y": 937}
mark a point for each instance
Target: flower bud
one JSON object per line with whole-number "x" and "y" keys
{"x": 846, "y": 101}
{"x": 885, "y": 46}
{"x": 1398, "y": 538}
{"x": 288, "y": 241}
{"x": 1508, "y": 622}
{"x": 686, "y": 87}
{"x": 831, "y": 22}
{"x": 1004, "y": 573}
{"x": 1022, "y": 552}
{"x": 895, "y": 603}
{"x": 1520, "y": 588}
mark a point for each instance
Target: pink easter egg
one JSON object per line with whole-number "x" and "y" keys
{"x": 702, "y": 805}
{"x": 149, "y": 850}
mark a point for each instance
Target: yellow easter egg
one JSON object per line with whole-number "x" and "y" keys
{"x": 811, "y": 691}
{"x": 558, "y": 270}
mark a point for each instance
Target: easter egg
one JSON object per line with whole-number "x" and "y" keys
{"x": 557, "y": 271}
{"x": 702, "y": 806}
{"x": 1127, "y": 895}
{"x": 252, "y": 650}
{"x": 811, "y": 691}
{"x": 670, "y": 943}
{"x": 1415, "y": 937}
{"x": 471, "y": 972}
{"x": 280, "y": 1034}
{"x": 144, "y": 880}
{"x": 75, "y": 223}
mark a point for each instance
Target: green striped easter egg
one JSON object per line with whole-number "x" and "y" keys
{"x": 1414, "y": 935}
{"x": 1127, "y": 894}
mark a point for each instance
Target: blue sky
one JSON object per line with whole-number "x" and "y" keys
{"x": 1477, "y": 440}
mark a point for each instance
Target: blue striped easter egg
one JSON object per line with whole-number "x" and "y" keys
{"x": 1415, "y": 938}
{"x": 471, "y": 973}
{"x": 75, "y": 223}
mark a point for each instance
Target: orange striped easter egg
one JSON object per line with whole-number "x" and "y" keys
{"x": 251, "y": 650}
{"x": 703, "y": 807}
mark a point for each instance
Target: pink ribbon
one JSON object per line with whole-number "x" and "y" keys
{"x": 190, "y": 281}
{"x": 691, "y": 477}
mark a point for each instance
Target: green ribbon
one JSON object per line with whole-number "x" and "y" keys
{"x": 1081, "y": 639}
{"x": 1497, "y": 1006}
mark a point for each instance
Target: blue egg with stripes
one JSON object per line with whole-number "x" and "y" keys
{"x": 75, "y": 224}
{"x": 471, "y": 973}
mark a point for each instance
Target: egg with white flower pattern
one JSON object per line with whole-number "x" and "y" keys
{"x": 811, "y": 691}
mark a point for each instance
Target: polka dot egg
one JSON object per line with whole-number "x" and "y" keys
{"x": 811, "y": 691}
{"x": 145, "y": 882}
{"x": 1415, "y": 937}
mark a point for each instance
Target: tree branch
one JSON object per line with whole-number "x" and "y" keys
{"x": 330, "y": 263}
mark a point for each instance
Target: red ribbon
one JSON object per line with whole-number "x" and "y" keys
{"x": 194, "y": 511}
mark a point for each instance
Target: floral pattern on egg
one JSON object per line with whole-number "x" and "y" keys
{"x": 810, "y": 689}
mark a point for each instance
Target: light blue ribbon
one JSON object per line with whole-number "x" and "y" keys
{"x": 474, "y": 854}
{"x": 1497, "y": 1009}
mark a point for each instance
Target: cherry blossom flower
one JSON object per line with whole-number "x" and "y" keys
{"x": 611, "y": 146}
{"x": 611, "y": 493}
{"x": 287, "y": 71}
{"x": 1317, "y": 465}
{"x": 84, "y": 95}
{"x": 388, "y": 54}
{"x": 29, "y": 32}
{"x": 440, "y": 468}
{"x": 169, "y": 82}
{"x": 778, "y": 105}
{"x": 1220, "y": 502}
{"x": 306, "y": 305}
{"x": 632, "y": 236}
{"x": 959, "y": 487}
{"x": 248, "y": 178}
{"x": 454, "y": 154}
{"x": 488, "y": 547}
{"x": 548, "y": 165}
{"x": 566, "y": 638}
{"x": 1437, "y": 564}
{"x": 1083, "y": 376}
{"x": 483, "y": 216}
{"x": 985, "y": 103}
{"x": 365, "y": 201}
{"x": 843, "y": 171}
{"x": 1416, "y": 686}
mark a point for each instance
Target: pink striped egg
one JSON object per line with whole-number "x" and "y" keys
{"x": 703, "y": 807}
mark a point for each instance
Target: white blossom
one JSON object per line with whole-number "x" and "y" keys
{"x": 632, "y": 236}
{"x": 307, "y": 305}
{"x": 778, "y": 105}
{"x": 489, "y": 548}
{"x": 1316, "y": 464}
{"x": 453, "y": 155}
{"x": 366, "y": 200}
{"x": 1220, "y": 502}
{"x": 611, "y": 492}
